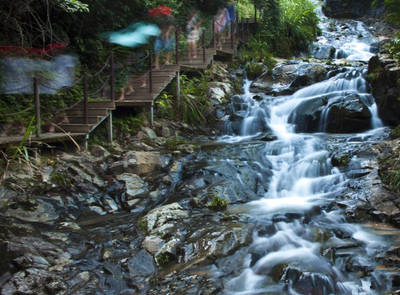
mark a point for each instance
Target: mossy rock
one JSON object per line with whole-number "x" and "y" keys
{"x": 395, "y": 132}
{"x": 218, "y": 204}
{"x": 340, "y": 160}
{"x": 254, "y": 70}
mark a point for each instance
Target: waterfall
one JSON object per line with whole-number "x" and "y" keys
{"x": 289, "y": 253}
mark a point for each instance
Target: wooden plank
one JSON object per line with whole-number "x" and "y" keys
{"x": 45, "y": 137}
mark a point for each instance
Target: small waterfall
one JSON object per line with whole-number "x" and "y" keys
{"x": 296, "y": 225}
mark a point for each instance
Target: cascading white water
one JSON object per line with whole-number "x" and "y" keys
{"x": 293, "y": 256}
{"x": 303, "y": 179}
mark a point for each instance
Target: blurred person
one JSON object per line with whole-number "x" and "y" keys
{"x": 193, "y": 34}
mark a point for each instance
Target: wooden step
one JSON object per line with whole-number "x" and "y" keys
{"x": 77, "y": 128}
{"x": 81, "y": 119}
{"x": 99, "y": 104}
{"x": 91, "y": 112}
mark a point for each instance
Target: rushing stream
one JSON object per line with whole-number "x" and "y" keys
{"x": 296, "y": 224}
{"x": 292, "y": 168}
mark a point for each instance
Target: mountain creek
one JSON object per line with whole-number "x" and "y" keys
{"x": 283, "y": 196}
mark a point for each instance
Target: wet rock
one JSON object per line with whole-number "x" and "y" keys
{"x": 219, "y": 90}
{"x": 350, "y": 8}
{"x": 344, "y": 115}
{"x": 153, "y": 244}
{"x": 137, "y": 162}
{"x": 348, "y": 115}
{"x": 99, "y": 151}
{"x": 42, "y": 212}
{"x": 128, "y": 292}
{"x": 287, "y": 77}
{"x": 142, "y": 265}
{"x": 162, "y": 215}
{"x": 34, "y": 281}
{"x": 134, "y": 185}
{"x": 383, "y": 75}
{"x": 307, "y": 115}
{"x": 308, "y": 282}
{"x": 150, "y": 133}
{"x": 340, "y": 159}
{"x": 97, "y": 210}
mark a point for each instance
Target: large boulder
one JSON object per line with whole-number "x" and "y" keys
{"x": 344, "y": 115}
{"x": 351, "y": 8}
{"x": 287, "y": 77}
{"x": 384, "y": 77}
{"x": 348, "y": 115}
{"x": 137, "y": 162}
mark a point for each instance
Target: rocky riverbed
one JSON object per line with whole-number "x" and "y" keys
{"x": 177, "y": 209}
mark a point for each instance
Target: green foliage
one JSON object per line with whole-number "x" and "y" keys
{"x": 21, "y": 151}
{"x": 195, "y": 102}
{"x": 165, "y": 106}
{"x": 254, "y": 70}
{"x": 172, "y": 143}
{"x": 72, "y": 6}
{"x": 218, "y": 203}
{"x": 341, "y": 160}
{"x": 288, "y": 27}
{"x": 163, "y": 259}
{"x": 389, "y": 171}
{"x": 142, "y": 223}
{"x": 127, "y": 126}
{"x": 393, "y": 8}
{"x": 396, "y": 132}
{"x": 256, "y": 57}
{"x": 394, "y": 47}
{"x": 245, "y": 8}
{"x": 194, "y": 105}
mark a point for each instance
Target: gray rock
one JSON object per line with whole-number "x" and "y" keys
{"x": 162, "y": 215}
{"x": 152, "y": 244}
{"x": 142, "y": 265}
{"x": 99, "y": 151}
{"x": 43, "y": 212}
{"x": 134, "y": 185}
{"x": 150, "y": 132}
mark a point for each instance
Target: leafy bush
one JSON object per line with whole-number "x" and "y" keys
{"x": 396, "y": 132}
{"x": 218, "y": 203}
{"x": 288, "y": 26}
{"x": 394, "y": 47}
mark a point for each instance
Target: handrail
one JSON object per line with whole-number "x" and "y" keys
{"x": 237, "y": 28}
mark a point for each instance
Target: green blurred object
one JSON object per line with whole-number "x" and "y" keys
{"x": 134, "y": 35}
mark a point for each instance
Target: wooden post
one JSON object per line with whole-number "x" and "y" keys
{"x": 151, "y": 114}
{"x": 203, "y": 44}
{"x": 37, "y": 106}
{"x": 112, "y": 77}
{"x": 177, "y": 45}
{"x": 255, "y": 14}
{"x": 213, "y": 33}
{"x": 232, "y": 39}
{"x": 85, "y": 99}
{"x": 110, "y": 127}
{"x": 242, "y": 28}
{"x": 248, "y": 29}
{"x": 151, "y": 71}
{"x": 178, "y": 91}
{"x": 86, "y": 142}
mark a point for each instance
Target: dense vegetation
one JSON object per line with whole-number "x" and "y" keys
{"x": 393, "y": 8}
{"x": 288, "y": 27}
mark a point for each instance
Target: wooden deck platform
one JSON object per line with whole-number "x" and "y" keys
{"x": 78, "y": 126}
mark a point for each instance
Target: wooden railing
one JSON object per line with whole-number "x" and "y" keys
{"x": 238, "y": 30}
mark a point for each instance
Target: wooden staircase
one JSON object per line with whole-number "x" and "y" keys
{"x": 97, "y": 112}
